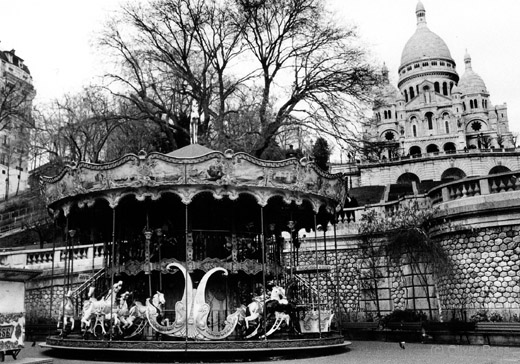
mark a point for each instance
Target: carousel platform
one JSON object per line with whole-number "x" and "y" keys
{"x": 307, "y": 345}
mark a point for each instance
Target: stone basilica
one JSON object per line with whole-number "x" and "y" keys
{"x": 432, "y": 109}
{"x": 435, "y": 125}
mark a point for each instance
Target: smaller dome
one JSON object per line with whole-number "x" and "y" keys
{"x": 419, "y": 7}
{"x": 471, "y": 82}
{"x": 386, "y": 94}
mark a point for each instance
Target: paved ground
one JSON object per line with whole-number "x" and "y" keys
{"x": 360, "y": 352}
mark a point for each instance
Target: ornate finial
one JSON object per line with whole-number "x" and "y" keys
{"x": 467, "y": 60}
{"x": 420, "y": 12}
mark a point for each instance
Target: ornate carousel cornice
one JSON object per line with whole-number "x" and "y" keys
{"x": 222, "y": 174}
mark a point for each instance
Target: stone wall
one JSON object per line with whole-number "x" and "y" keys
{"x": 486, "y": 274}
{"x": 397, "y": 287}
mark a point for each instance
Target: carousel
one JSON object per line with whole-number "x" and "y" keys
{"x": 200, "y": 254}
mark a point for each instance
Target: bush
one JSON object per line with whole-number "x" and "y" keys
{"x": 479, "y": 316}
{"x": 404, "y": 316}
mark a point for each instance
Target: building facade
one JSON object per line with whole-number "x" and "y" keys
{"x": 16, "y": 95}
{"x": 433, "y": 109}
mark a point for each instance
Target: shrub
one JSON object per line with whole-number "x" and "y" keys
{"x": 404, "y": 316}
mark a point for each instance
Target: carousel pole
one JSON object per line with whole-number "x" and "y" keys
{"x": 337, "y": 273}
{"x": 317, "y": 272}
{"x": 65, "y": 271}
{"x": 186, "y": 226}
{"x": 72, "y": 234}
{"x": 52, "y": 274}
{"x": 112, "y": 271}
{"x": 263, "y": 269}
{"x": 148, "y": 265}
{"x": 159, "y": 233}
{"x": 325, "y": 262}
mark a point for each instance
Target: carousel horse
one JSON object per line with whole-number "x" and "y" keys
{"x": 123, "y": 312}
{"x": 138, "y": 314}
{"x": 68, "y": 312}
{"x": 100, "y": 310}
{"x": 278, "y": 310}
{"x": 281, "y": 308}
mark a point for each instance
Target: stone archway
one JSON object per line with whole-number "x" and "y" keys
{"x": 408, "y": 178}
{"x": 452, "y": 174}
{"x": 499, "y": 169}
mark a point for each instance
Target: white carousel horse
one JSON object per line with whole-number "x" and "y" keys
{"x": 122, "y": 311}
{"x": 68, "y": 312}
{"x": 102, "y": 309}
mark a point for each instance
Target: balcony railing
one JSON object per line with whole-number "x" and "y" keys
{"x": 85, "y": 257}
{"x": 441, "y": 154}
{"x": 470, "y": 187}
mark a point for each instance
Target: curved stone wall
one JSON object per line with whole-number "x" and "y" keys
{"x": 486, "y": 274}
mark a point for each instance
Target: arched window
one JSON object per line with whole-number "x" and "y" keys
{"x": 475, "y": 103}
{"x": 471, "y": 104}
{"x": 412, "y": 94}
{"x": 464, "y": 106}
{"x": 436, "y": 87}
{"x": 415, "y": 151}
{"x": 427, "y": 96}
{"x": 405, "y": 96}
{"x": 444, "y": 88}
{"x": 449, "y": 147}
{"x": 429, "y": 116}
{"x": 414, "y": 131}
{"x": 447, "y": 125}
{"x": 432, "y": 148}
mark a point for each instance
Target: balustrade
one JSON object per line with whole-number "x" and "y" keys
{"x": 82, "y": 256}
{"x": 471, "y": 187}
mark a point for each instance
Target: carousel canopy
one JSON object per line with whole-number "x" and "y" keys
{"x": 191, "y": 170}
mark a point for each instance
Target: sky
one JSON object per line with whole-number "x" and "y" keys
{"x": 56, "y": 39}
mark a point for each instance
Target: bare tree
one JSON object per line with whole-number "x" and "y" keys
{"x": 328, "y": 71}
{"x": 174, "y": 58}
{"x": 15, "y": 103}
{"x": 77, "y": 127}
{"x": 181, "y": 61}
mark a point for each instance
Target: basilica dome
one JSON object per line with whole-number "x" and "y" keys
{"x": 424, "y": 44}
{"x": 471, "y": 82}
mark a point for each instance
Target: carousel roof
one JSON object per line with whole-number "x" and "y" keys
{"x": 192, "y": 170}
{"x": 190, "y": 151}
